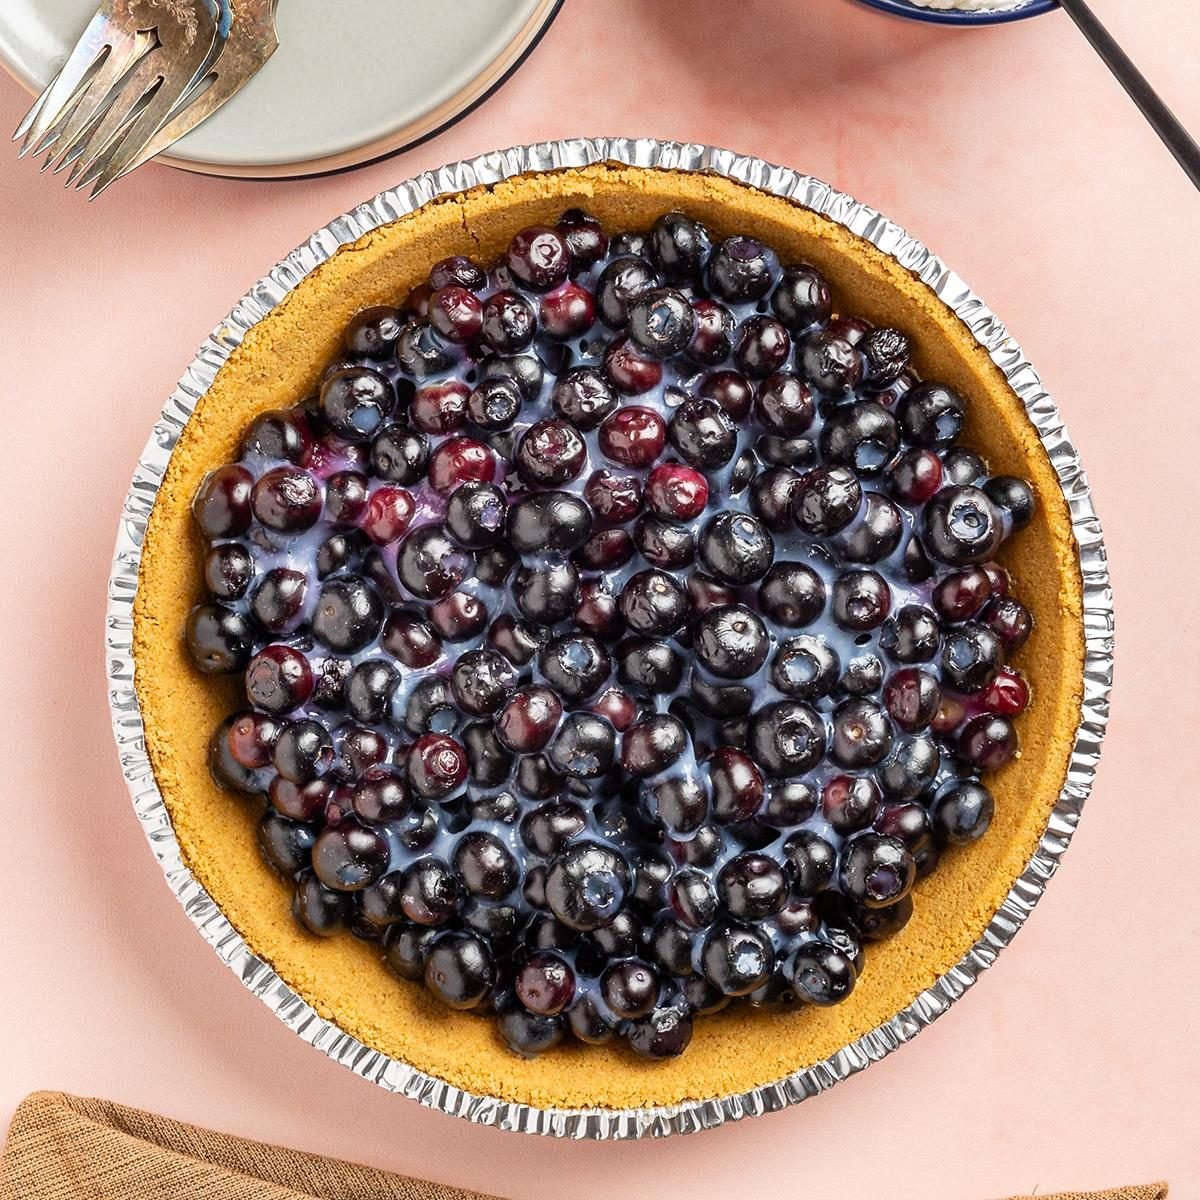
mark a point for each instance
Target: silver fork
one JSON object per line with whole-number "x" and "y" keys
{"x": 252, "y": 40}
{"x": 134, "y": 63}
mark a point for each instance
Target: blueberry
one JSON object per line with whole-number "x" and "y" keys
{"x": 861, "y": 600}
{"x": 792, "y": 594}
{"x": 665, "y": 543}
{"x": 876, "y": 535}
{"x": 574, "y": 665}
{"x": 909, "y": 769}
{"x": 962, "y": 526}
{"x": 802, "y": 298}
{"x": 356, "y": 401}
{"x": 369, "y": 691}
{"x": 887, "y": 353}
{"x": 830, "y": 363}
{"x": 546, "y": 595}
{"x": 1010, "y": 621}
{"x": 863, "y": 436}
{"x": 509, "y": 322}
{"x": 584, "y": 236}
{"x": 676, "y": 493}
{"x": 286, "y": 845}
{"x": 811, "y": 861}
{"x": 971, "y": 655}
{"x": 826, "y": 500}
{"x": 784, "y": 404}
{"x": 987, "y": 742}
{"x": 822, "y": 974}
{"x": 476, "y": 513}
{"x": 703, "y": 434}
{"x": 741, "y": 269}
{"x": 436, "y": 765}
{"x": 963, "y": 812}
{"x": 586, "y": 885}
{"x": 850, "y": 803}
{"x": 457, "y": 271}
{"x": 319, "y": 909}
{"x": 787, "y": 738}
{"x": 863, "y": 675}
{"x": 633, "y": 436}
{"x": 281, "y": 434}
{"x": 420, "y": 351}
{"x": 629, "y": 988}
{"x": 653, "y": 603}
{"x": 485, "y": 865}
{"x": 584, "y": 747}
{"x": 805, "y": 667}
{"x": 399, "y": 454}
{"x": 481, "y": 681}
{"x": 583, "y": 397}
{"x": 736, "y": 548}
{"x": 680, "y": 247}
{"x": 790, "y": 803}
{"x": 539, "y": 258}
{"x": 545, "y": 983}
{"x": 661, "y": 322}
{"x": 620, "y": 283}
{"x": 736, "y": 959}
{"x": 349, "y": 857}
{"x": 914, "y": 476}
{"x": 459, "y": 969}
{"x": 912, "y": 697}
{"x": 430, "y": 893}
{"x": 932, "y": 415}
{"x": 650, "y": 664}
{"x": 731, "y": 641}
{"x": 1012, "y": 496}
{"x": 430, "y": 708}
{"x": 763, "y": 346}
{"x": 772, "y": 494}
{"x": 287, "y": 500}
{"x": 494, "y": 404}
{"x": 752, "y": 886}
{"x": 862, "y": 734}
{"x": 911, "y": 635}
{"x": 221, "y": 506}
{"x": 692, "y": 897}
{"x": 652, "y": 746}
{"x": 218, "y": 639}
{"x": 430, "y": 564}
{"x": 550, "y": 453}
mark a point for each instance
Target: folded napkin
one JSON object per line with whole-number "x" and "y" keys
{"x": 64, "y": 1147}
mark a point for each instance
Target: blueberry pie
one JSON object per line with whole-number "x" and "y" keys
{"x": 608, "y": 605}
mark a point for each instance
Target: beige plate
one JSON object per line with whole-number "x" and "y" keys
{"x": 373, "y": 78}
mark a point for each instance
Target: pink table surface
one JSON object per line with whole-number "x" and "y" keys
{"x": 1013, "y": 154}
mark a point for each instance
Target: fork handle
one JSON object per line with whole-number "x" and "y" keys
{"x": 1162, "y": 120}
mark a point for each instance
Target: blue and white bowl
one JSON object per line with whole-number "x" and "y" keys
{"x": 954, "y": 16}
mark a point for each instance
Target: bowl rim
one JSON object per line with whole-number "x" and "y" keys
{"x": 692, "y": 1115}
{"x": 941, "y": 16}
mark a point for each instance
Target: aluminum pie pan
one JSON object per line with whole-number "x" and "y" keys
{"x": 400, "y": 1077}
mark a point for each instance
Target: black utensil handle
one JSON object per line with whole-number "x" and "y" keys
{"x": 1164, "y": 122}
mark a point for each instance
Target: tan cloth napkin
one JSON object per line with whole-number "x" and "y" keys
{"x": 64, "y": 1147}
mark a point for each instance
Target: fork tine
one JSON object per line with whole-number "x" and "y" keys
{"x": 100, "y": 35}
{"x": 136, "y": 89}
{"x": 135, "y": 150}
{"x": 105, "y": 171}
{"x": 28, "y": 119}
{"x": 100, "y": 93}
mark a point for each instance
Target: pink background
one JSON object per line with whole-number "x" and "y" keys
{"x": 1012, "y": 153}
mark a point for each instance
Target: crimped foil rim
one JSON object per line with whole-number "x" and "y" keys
{"x": 692, "y": 1115}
